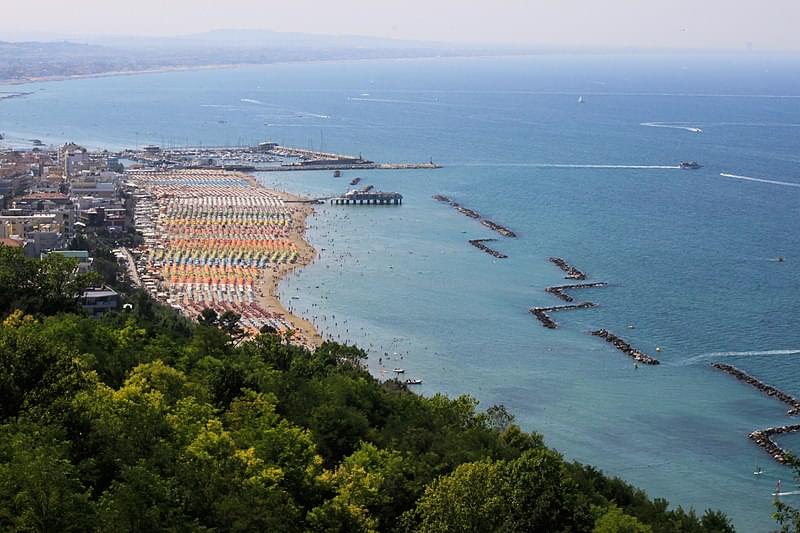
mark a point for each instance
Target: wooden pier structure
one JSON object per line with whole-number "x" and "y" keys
{"x": 368, "y": 198}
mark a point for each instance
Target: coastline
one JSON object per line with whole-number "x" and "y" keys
{"x": 306, "y": 333}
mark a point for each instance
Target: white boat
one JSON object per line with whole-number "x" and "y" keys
{"x": 399, "y": 370}
{"x": 413, "y": 382}
{"x": 580, "y": 99}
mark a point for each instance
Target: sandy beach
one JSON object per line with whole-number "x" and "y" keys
{"x": 221, "y": 240}
{"x": 305, "y": 332}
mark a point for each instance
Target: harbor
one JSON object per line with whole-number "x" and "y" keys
{"x": 264, "y": 157}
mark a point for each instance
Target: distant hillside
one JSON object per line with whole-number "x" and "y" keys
{"x": 21, "y": 61}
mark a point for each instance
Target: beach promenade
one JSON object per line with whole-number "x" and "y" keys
{"x": 219, "y": 240}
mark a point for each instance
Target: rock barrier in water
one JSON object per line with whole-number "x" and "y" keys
{"x": 626, "y": 348}
{"x": 769, "y": 390}
{"x": 571, "y": 271}
{"x": 478, "y": 243}
{"x": 541, "y": 313}
{"x": 494, "y": 226}
{"x": 560, "y": 290}
{"x": 763, "y": 437}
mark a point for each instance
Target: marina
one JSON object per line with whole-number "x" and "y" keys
{"x": 264, "y": 157}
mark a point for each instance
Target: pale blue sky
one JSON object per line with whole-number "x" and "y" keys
{"x": 730, "y": 24}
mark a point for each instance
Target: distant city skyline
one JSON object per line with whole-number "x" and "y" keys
{"x": 677, "y": 24}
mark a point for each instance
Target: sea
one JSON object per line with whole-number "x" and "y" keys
{"x": 577, "y": 154}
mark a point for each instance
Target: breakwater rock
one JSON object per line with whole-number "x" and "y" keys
{"x": 478, "y": 243}
{"x": 769, "y": 390}
{"x": 763, "y": 437}
{"x": 571, "y": 271}
{"x": 626, "y": 348}
{"x": 541, "y": 313}
{"x": 560, "y": 290}
{"x": 471, "y": 213}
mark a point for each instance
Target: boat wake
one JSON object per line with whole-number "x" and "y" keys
{"x": 560, "y": 165}
{"x": 760, "y": 180}
{"x": 251, "y": 101}
{"x": 697, "y": 359}
{"x": 673, "y": 125}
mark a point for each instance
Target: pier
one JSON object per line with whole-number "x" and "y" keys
{"x": 541, "y": 313}
{"x": 571, "y": 271}
{"x": 368, "y": 198}
{"x": 626, "y": 348}
{"x": 559, "y": 290}
{"x": 763, "y": 438}
{"x": 769, "y": 390}
{"x": 478, "y": 243}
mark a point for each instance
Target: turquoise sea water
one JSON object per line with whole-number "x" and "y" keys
{"x": 688, "y": 254}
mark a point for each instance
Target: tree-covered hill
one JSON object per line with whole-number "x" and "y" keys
{"x": 144, "y": 421}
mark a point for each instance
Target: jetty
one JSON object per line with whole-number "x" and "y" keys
{"x": 471, "y": 213}
{"x": 364, "y": 197}
{"x": 478, "y": 243}
{"x": 626, "y": 348}
{"x": 763, "y": 438}
{"x": 541, "y": 313}
{"x": 559, "y": 290}
{"x": 769, "y": 390}
{"x": 571, "y": 271}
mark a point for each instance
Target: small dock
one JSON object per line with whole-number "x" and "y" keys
{"x": 368, "y": 198}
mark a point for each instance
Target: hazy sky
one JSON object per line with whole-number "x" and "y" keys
{"x": 768, "y": 24}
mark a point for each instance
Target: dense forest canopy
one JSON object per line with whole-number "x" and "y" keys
{"x": 144, "y": 421}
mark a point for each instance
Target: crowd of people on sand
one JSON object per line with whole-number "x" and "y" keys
{"x": 763, "y": 438}
{"x": 572, "y": 272}
{"x": 541, "y": 312}
{"x": 626, "y": 348}
{"x": 769, "y": 390}
{"x": 478, "y": 243}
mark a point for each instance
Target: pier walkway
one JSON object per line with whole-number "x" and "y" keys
{"x": 368, "y": 198}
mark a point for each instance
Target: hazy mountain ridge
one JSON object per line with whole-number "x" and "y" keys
{"x": 20, "y": 61}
